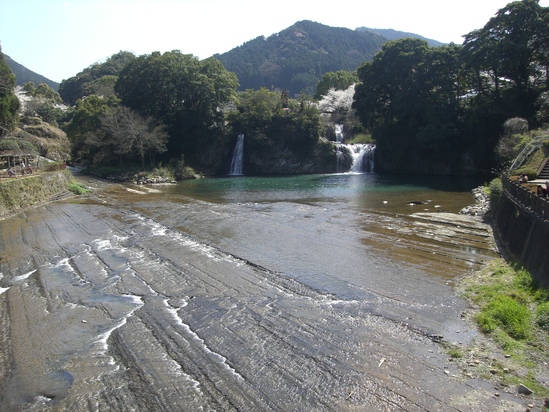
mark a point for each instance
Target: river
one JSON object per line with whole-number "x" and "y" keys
{"x": 302, "y": 293}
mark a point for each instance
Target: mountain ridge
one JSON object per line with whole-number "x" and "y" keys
{"x": 293, "y": 59}
{"x": 392, "y": 34}
{"x": 24, "y": 75}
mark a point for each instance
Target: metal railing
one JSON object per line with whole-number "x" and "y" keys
{"x": 33, "y": 169}
{"x": 525, "y": 153}
{"x": 526, "y": 197}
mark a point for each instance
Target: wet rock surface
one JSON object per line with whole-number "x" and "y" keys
{"x": 152, "y": 302}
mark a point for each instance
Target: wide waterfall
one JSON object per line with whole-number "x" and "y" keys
{"x": 363, "y": 157}
{"x": 362, "y": 153}
{"x": 237, "y": 163}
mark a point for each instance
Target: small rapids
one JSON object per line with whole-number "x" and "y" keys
{"x": 175, "y": 300}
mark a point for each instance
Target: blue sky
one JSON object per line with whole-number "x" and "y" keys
{"x": 58, "y": 39}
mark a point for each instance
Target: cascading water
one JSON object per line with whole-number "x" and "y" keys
{"x": 363, "y": 158}
{"x": 237, "y": 163}
{"x": 338, "y": 128}
{"x": 362, "y": 154}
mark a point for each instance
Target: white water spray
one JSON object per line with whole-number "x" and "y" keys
{"x": 237, "y": 163}
{"x": 362, "y": 154}
{"x": 338, "y": 128}
{"x": 363, "y": 158}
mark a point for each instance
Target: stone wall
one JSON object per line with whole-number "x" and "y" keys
{"x": 523, "y": 233}
{"x": 22, "y": 192}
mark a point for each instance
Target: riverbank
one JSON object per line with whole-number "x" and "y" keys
{"x": 513, "y": 314}
{"x": 20, "y": 193}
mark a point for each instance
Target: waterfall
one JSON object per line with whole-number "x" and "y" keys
{"x": 338, "y": 128}
{"x": 362, "y": 155}
{"x": 238, "y": 157}
{"x": 363, "y": 158}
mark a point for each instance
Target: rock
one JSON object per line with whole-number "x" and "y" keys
{"x": 523, "y": 390}
{"x": 153, "y": 180}
{"x": 482, "y": 203}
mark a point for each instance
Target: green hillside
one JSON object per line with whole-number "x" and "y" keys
{"x": 296, "y": 58}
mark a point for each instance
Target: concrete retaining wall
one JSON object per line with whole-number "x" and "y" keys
{"x": 524, "y": 235}
{"x": 22, "y": 192}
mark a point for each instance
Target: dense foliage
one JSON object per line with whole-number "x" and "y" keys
{"x": 43, "y": 102}
{"x": 448, "y": 104}
{"x": 125, "y": 135}
{"x": 268, "y": 118}
{"x": 340, "y": 80}
{"x": 296, "y": 58}
{"x": 391, "y": 34}
{"x": 86, "y": 121}
{"x": 185, "y": 94}
{"x": 98, "y": 79}
{"x": 282, "y": 135}
{"x": 9, "y": 104}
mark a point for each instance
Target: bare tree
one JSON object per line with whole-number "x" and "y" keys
{"x": 128, "y": 134}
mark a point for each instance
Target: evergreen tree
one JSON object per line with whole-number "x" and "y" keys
{"x": 185, "y": 94}
{"x": 9, "y": 103}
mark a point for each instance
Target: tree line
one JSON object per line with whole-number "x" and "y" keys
{"x": 442, "y": 110}
{"x": 430, "y": 109}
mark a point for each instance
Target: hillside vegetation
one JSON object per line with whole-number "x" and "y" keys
{"x": 433, "y": 110}
{"x": 296, "y": 58}
{"x": 391, "y": 34}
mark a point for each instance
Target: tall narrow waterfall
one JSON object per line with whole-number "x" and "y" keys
{"x": 237, "y": 163}
{"x": 338, "y": 129}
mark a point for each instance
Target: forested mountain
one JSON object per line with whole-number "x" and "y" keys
{"x": 391, "y": 34}
{"x": 296, "y": 58}
{"x": 293, "y": 60}
{"x": 24, "y": 75}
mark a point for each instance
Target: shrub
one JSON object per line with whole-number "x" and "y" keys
{"x": 496, "y": 190}
{"x": 508, "y": 314}
{"x": 181, "y": 171}
{"x": 531, "y": 173}
{"x": 362, "y": 138}
{"x": 77, "y": 188}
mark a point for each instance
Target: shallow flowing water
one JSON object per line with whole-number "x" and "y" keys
{"x": 324, "y": 292}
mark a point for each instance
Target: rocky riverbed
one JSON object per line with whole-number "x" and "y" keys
{"x": 149, "y": 300}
